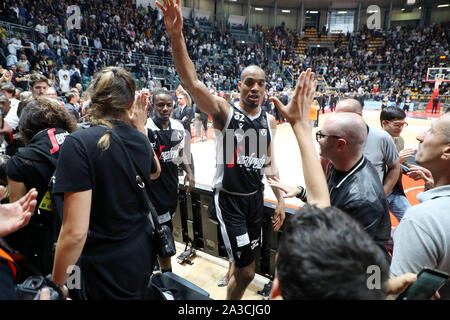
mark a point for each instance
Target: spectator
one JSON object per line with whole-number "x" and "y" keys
{"x": 393, "y": 121}
{"x": 93, "y": 202}
{"x": 38, "y": 85}
{"x": 62, "y": 72}
{"x": 64, "y": 84}
{"x": 22, "y": 78}
{"x": 421, "y": 239}
{"x": 24, "y": 62}
{"x": 352, "y": 181}
{"x": 71, "y": 105}
{"x": 40, "y": 122}
{"x": 75, "y": 75}
{"x": 11, "y": 60}
{"x": 379, "y": 148}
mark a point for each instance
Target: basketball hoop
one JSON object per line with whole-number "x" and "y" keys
{"x": 433, "y": 74}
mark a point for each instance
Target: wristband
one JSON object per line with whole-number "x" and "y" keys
{"x": 302, "y": 193}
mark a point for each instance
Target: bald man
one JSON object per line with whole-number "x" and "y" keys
{"x": 379, "y": 148}
{"x": 244, "y": 154}
{"x": 352, "y": 180}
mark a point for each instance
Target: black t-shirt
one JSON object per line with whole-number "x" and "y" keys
{"x": 21, "y": 84}
{"x": 119, "y": 254}
{"x": 117, "y": 210}
{"x": 33, "y": 166}
{"x": 360, "y": 194}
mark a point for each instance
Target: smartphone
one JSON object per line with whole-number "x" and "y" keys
{"x": 405, "y": 168}
{"x": 428, "y": 282}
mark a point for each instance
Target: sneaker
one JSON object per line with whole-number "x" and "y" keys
{"x": 222, "y": 283}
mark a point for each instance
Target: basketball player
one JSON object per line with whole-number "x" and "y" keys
{"x": 238, "y": 187}
{"x": 167, "y": 137}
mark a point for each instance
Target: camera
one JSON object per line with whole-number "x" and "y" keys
{"x": 31, "y": 288}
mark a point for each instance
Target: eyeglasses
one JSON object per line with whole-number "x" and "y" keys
{"x": 321, "y": 135}
{"x": 399, "y": 124}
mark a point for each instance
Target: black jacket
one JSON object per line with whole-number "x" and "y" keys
{"x": 185, "y": 116}
{"x": 359, "y": 193}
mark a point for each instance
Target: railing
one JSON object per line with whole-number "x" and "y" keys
{"x": 12, "y": 28}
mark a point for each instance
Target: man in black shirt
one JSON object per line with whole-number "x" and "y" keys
{"x": 353, "y": 183}
{"x": 352, "y": 180}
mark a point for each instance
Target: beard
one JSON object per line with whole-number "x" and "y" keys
{"x": 252, "y": 105}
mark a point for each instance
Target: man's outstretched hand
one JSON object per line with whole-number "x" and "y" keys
{"x": 298, "y": 108}
{"x": 16, "y": 215}
{"x": 173, "y": 17}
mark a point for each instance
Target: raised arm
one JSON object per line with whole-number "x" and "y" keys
{"x": 216, "y": 107}
{"x": 296, "y": 112}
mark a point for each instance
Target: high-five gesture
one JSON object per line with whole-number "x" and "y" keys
{"x": 14, "y": 216}
{"x": 173, "y": 18}
{"x": 296, "y": 112}
{"x": 139, "y": 117}
{"x": 298, "y": 108}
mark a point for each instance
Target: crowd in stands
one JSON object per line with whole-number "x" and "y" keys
{"x": 404, "y": 56}
{"x": 405, "y": 53}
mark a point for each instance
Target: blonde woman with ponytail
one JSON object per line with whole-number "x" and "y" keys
{"x": 105, "y": 230}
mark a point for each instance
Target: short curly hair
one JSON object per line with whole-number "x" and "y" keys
{"x": 42, "y": 113}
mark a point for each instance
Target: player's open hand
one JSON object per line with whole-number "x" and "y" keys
{"x": 173, "y": 18}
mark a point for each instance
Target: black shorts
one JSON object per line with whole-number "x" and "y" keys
{"x": 240, "y": 218}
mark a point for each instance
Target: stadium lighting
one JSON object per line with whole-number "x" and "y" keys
{"x": 259, "y": 9}
{"x": 443, "y": 5}
{"x": 286, "y": 11}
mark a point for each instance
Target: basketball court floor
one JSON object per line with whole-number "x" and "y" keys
{"x": 206, "y": 270}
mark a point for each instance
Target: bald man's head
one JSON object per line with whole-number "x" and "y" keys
{"x": 349, "y": 126}
{"x": 253, "y": 69}
{"x": 349, "y": 105}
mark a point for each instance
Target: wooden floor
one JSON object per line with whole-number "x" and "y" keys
{"x": 206, "y": 270}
